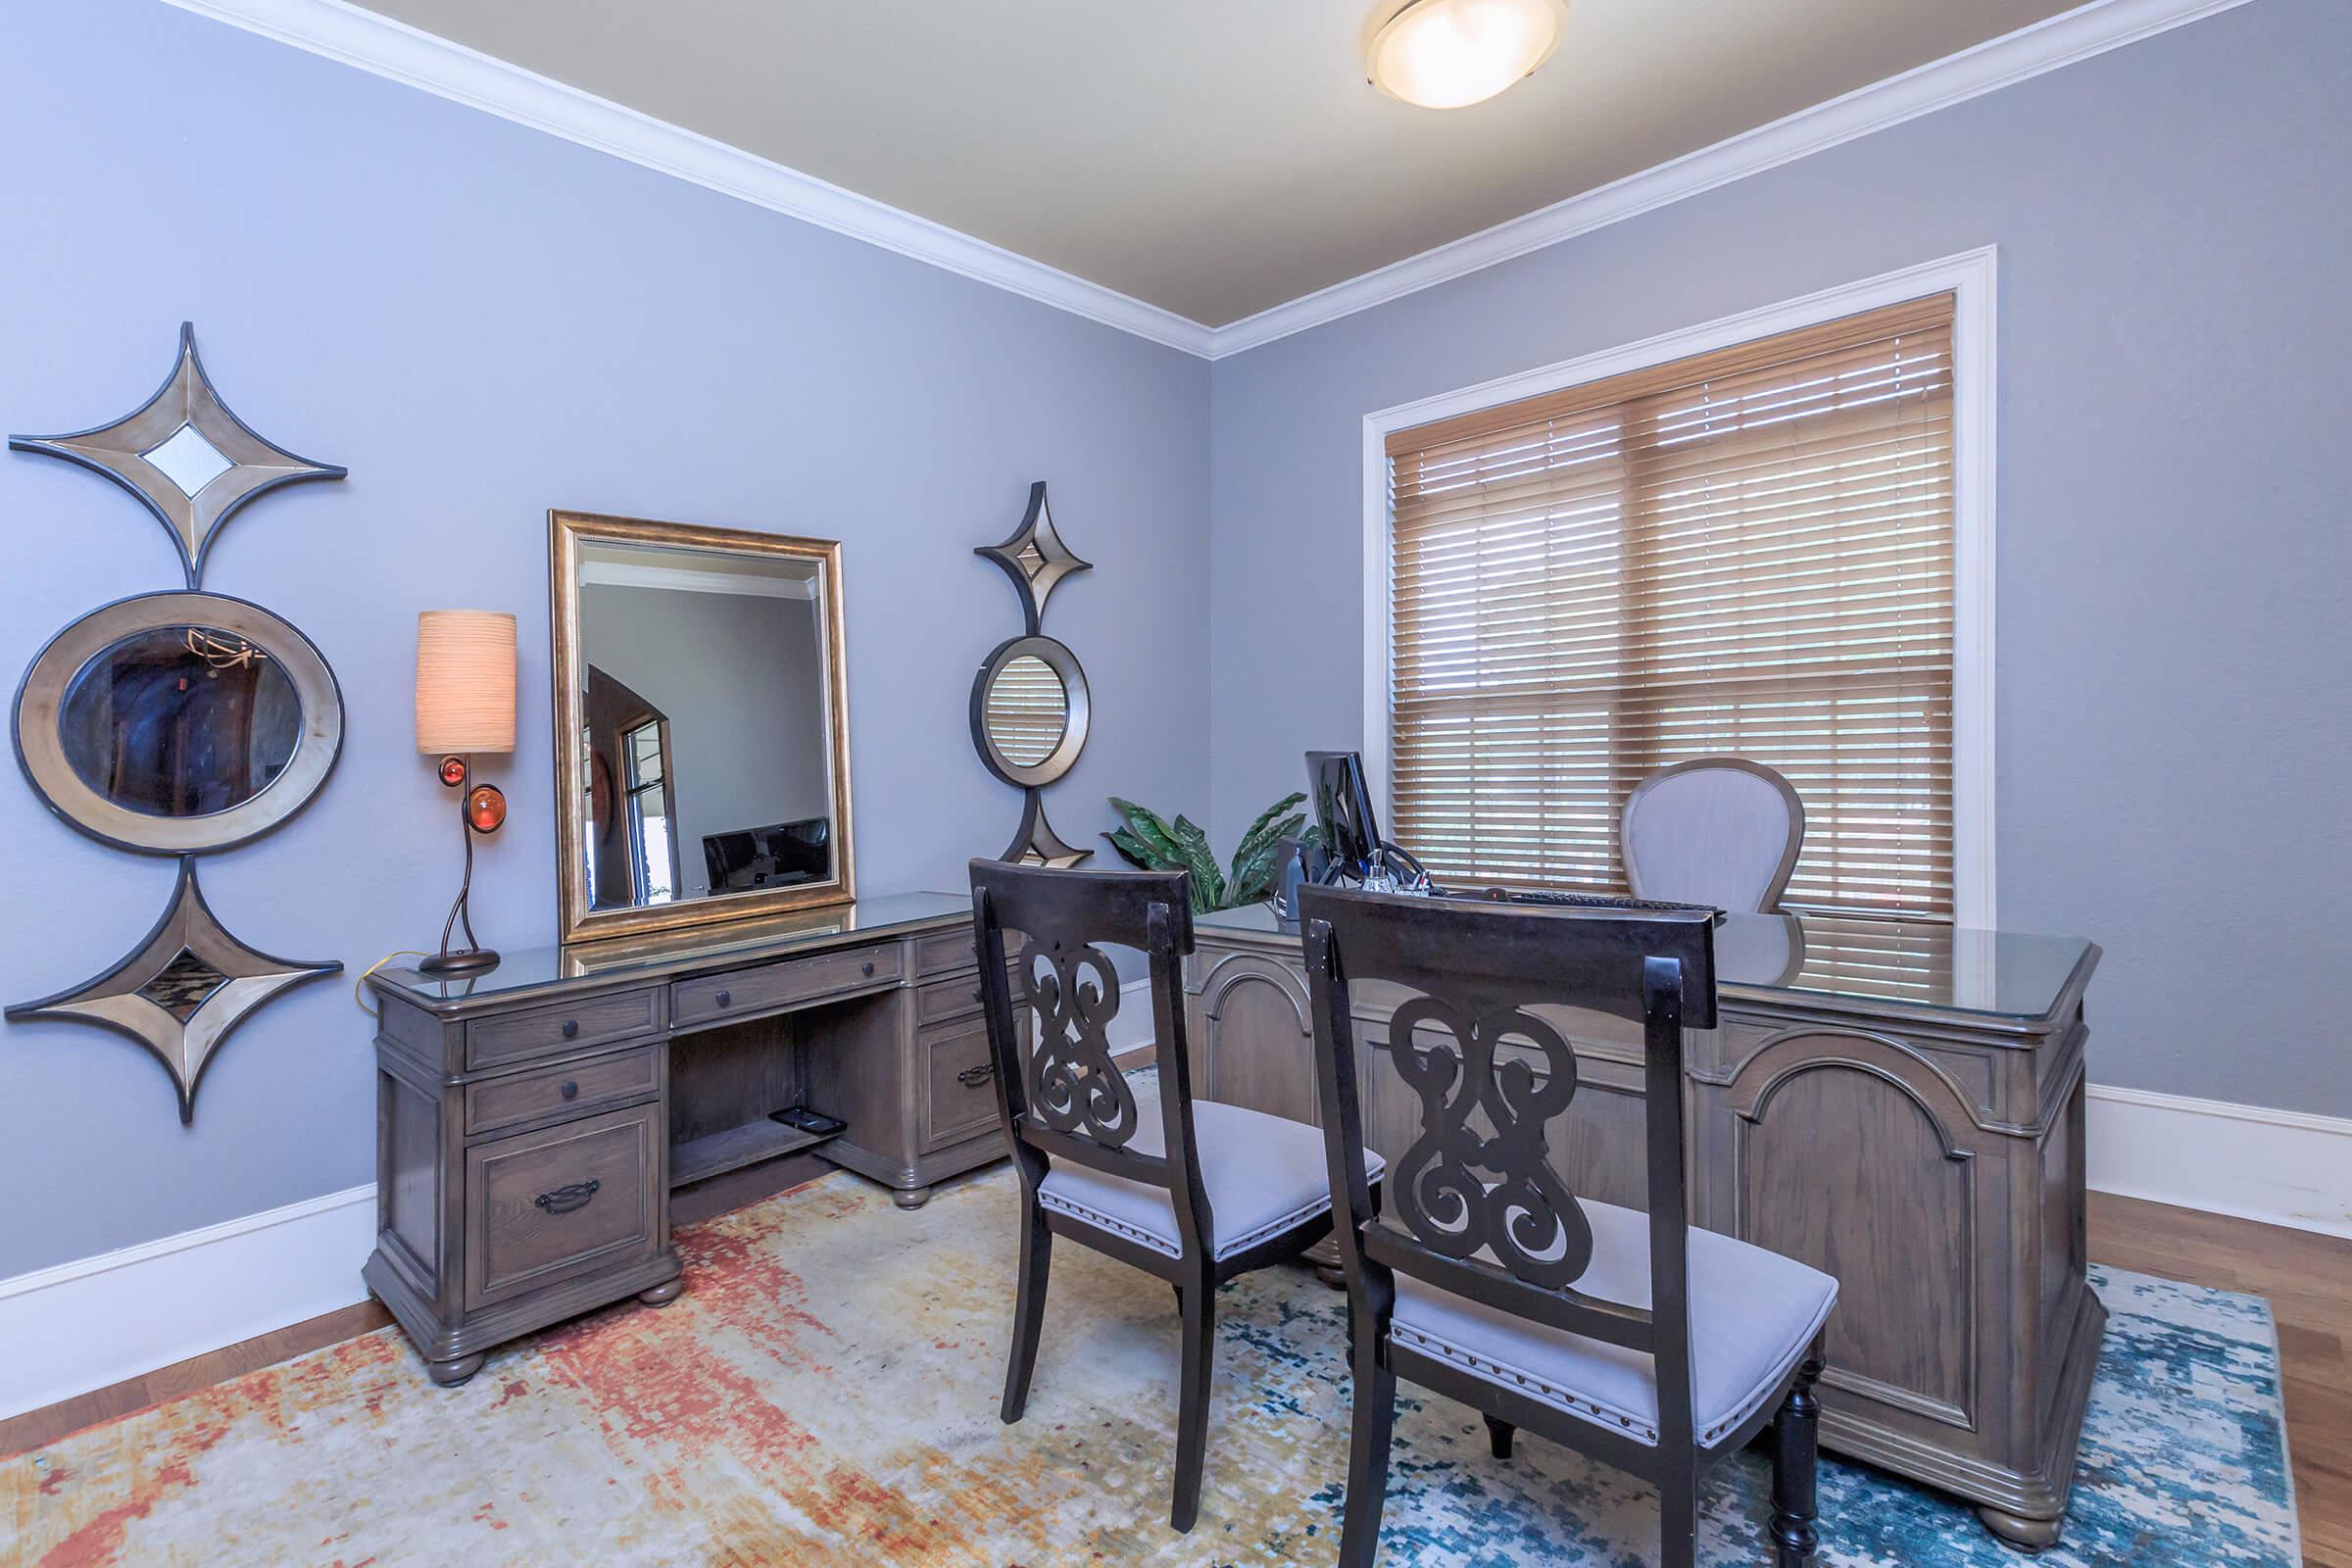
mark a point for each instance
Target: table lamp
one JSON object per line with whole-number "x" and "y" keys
{"x": 466, "y": 705}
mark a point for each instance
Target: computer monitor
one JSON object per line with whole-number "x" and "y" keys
{"x": 1343, "y": 809}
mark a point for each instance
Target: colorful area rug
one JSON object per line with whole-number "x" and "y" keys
{"x": 826, "y": 1394}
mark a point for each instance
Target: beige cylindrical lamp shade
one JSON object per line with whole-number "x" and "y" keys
{"x": 464, "y": 681}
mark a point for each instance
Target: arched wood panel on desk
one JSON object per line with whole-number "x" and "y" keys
{"x": 1899, "y": 1106}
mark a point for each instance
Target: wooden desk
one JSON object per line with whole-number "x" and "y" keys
{"x": 531, "y": 1120}
{"x": 1898, "y": 1105}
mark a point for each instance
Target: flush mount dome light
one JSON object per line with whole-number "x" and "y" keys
{"x": 1449, "y": 54}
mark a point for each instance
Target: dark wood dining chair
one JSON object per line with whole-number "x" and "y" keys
{"x": 1194, "y": 1192}
{"x": 1631, "y": 1338}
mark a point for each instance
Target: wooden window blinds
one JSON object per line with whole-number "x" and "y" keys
{"x": 1745, "y": 552}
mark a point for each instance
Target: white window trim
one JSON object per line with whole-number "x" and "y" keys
{"x": 1970, "y": 277}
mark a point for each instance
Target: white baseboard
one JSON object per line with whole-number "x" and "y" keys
{"x": 2282, "y": 1167}
{"x": 99, "y": 1320}
{"x": 87, "y": 1324}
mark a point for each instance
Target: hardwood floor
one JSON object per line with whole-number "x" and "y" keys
{"x": 2307, "y": 1278}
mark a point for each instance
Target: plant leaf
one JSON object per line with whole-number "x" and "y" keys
{"x": 1134, "y": 850}
{"x": 1265, "y": 830}
{"x": 1254, "y": 873}
{"x": 1209, "y": 882}
{"x": 1154, "y": 834}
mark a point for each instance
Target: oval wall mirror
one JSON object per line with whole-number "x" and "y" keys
{"x": 1029, "y": 711}
{"x": 177, "y": 723}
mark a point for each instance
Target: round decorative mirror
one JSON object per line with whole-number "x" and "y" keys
{"x": 1029, "y": 711}
{"x": 176, "y": 723}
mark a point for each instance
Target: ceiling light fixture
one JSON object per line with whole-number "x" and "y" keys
{"x": 1449, "y": 54}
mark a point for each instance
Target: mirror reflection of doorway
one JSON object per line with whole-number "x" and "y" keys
{"x": 631, "y": 814}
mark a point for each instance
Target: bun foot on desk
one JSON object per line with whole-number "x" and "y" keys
{"x": 449, "y": 1373}
{"x": 910, "y": 1197}
{"x": 665, "y": 1292}
{"x": 2013, "y": 1530}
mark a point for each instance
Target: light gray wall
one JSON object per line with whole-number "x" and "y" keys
{"x": 2175, "y": 377}
{"x": 484, "y": 321}
{"x": 740, "y": 678}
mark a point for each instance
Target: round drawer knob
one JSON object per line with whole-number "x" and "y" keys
{"x": 571, "y": 1091}
{"x": 725, "y": 997}
{"x": 868, "y": 966}
{"x": 571, "y": 1028}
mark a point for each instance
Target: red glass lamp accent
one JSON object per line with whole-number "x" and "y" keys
{"x": 486, "y": 809}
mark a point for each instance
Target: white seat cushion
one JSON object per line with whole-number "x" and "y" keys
{"x": 1263, "y": 1174}
{"x": 1753, "y": 1314}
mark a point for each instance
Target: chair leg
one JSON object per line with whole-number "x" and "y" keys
{"x": 1368, "y": 1441}
{"x": 1678, "y": 1517}
{"x": 1028, "y": 1313}
{"x": 1498, "y": 1436}
{"x": 1200, "y": 1299}
{"x": 1795, "y": 1455}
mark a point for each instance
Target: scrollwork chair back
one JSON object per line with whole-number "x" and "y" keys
{"x": 1068, "y": 1098}
{"x": 1476, "y": 1206}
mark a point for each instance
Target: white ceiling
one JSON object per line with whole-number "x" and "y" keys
{"x": 1212, "y": 157}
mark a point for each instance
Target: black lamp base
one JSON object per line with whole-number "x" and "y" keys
{"x": 472, "y": 961}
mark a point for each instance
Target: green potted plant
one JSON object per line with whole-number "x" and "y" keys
{"x": 1152, "y": 843}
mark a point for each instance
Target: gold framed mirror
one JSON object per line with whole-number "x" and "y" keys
{"x": 701, "y": 726}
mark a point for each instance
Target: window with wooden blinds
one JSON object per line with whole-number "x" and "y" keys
{"x": 1746, "y": 552}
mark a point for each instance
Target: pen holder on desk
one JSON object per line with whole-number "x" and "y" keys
{"x": 1296, "y": 864}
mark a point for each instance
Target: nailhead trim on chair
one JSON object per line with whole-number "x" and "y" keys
{"x": 1549, "y": 1392}
{"x": 1159, "y": 1244}
{"x": 1552, "y": 1393}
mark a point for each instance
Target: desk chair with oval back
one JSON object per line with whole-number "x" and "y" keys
{"x": 1719, "y": 830}
{"x": 1194, "y": 1194}
{"x": 1634, "y": 1338}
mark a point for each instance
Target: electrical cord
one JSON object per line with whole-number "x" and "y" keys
{"x": 358, "y": 987}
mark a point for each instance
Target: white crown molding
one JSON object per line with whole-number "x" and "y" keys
{"x": 387, "y": 48}
{"x": 2015, "y": 57}
{"x": 393, "y": 49}
{"x": 686, "y": 580}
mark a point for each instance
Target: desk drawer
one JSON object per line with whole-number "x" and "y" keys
{"x": 960, "y": 1101}
{"x": 565, "y": 1200}
{"x": 944, "y": 952}
{"x": 553, "y": 1031}
{"x": 742, "y": 992}
{"x": 573, "y": 1087}
{"x": 942, "y": 1000}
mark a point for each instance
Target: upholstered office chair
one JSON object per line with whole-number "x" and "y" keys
{"x": 1192, "y": 1193}
{"x": 1634, "y": 1338}
{"x": 1719, "y": 830}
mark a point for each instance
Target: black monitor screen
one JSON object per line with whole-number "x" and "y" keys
{"x": 1342, "y": 807}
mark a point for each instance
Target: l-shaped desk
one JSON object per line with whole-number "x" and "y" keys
{"x": 1900, "y": 1106}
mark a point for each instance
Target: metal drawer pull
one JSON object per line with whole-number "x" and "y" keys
{"x": 571, "y": 1091}
{"x": 868, "y": 966}
{"x": 724, "y": 997}
{"x": 974, "y": 1077}
{"x": 571, "y": 1027}
{"x": 564, "y": 1200}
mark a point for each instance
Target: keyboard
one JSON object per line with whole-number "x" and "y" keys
{"x": 1584, "y": 900}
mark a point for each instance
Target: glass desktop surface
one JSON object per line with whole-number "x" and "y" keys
{"x": 676, "y": 953}
{"x": 2004, "y": 974}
